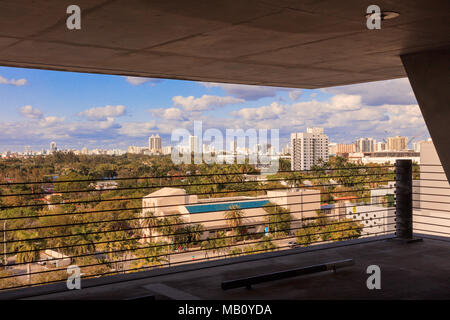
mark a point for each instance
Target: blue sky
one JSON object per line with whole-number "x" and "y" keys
{"x": 104, "y": 111}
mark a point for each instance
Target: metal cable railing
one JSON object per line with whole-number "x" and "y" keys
{"x": 431, "y": 205}
{"x": 121, "y": 230}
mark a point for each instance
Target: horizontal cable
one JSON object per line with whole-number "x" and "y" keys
{"x": 432, "y": 217}
{"x": 136, "y": 228}
{"x": 432, "y": 224}
{"x": 140, "y": 198}
{"x": 431, "y": 209}
{"x": 439, "y": 180}
{"x": 179, "y": 262}
{"x": 432, "y": 172}
{"x": 178, "y": 214}
{"x": 172, "y": 234}
{"x": 432, "y": 187}
{"x": 188, "y": 185}
{"x": 215, "y": 248}
{"x": 416, "y": 229}
{"x": 185, "y": 232}
{"x": 190, "y": 175}
{"x": 204, "y": 202}
{"x": 441, "y": 202}
{"x": 430, "y": 194}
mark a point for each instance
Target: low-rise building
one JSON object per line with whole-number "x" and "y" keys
{"x": 209, "y": 212}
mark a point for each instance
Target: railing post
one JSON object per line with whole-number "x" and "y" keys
{"x": 403, "y": 193}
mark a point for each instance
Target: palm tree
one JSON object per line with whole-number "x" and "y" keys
{"x": 153, "y": 255}
{"x": 208, "y": 244}
{"x": 171, "y": 227}
{"x": 149, "y": 221}
{"x": 234, "y": 218}
{"x": 194, "y": 233}
{"x": 28, "y": 249}
{"x": 82, "y": 243}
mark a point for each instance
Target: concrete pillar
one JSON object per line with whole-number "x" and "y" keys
{"x": 403, "y": 195}
{"x": 429, "y": 75}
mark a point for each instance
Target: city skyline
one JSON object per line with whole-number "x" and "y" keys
{"x": 113, "y": 112}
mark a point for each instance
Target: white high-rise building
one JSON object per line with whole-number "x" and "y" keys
{"x": 397, "y": 143}
{"x": 366, "y": 145}
{"x": 307, "y": 148}
{"x": 167, "y": 150}
{"x": 53, "y": 147}
{"x": 381, "y": 146}
{"x": 193, "y": 144}
{"x": 154, "y": 143}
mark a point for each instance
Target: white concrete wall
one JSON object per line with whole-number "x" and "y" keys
{"x": 428, "y": 218}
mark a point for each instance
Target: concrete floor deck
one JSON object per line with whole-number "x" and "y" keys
{"x": 418, "y": 270}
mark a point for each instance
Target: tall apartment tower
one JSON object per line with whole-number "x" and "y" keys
{"x": 365, "y": 145}
{"x": 154, "y": 143}
{"x": 397, "y": 143}
{"x": 307, "y": 148}
{"x": 53, "y": 147}
{"x": 193, "y": 144}
{"x": 381, "y": 146}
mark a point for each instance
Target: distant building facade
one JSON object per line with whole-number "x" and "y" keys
{"x": 365, "y": 145}
{"x": 307, "y": 148}
{"x": 193, "y": 144}
{"x": 155, "y": 144}
{"x": 301, "y": 203}
{"x": 345, "y": 148}
{"x": 397, "y": 143}
{"x": 53, "y": 147}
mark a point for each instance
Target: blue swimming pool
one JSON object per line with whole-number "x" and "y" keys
{"x": 201, "y": 208}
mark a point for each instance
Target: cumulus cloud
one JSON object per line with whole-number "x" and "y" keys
{"x": 48, "y": 121}
{"x": 14, "y": 82}
{"x": 136, "y": 81}
{"x": 137, "y": 129}
{"x": 274, "y": 110}
{"x": 206, "y": 102}
{"x": 397, "y": 91}
{"x": 168, "y": 114}
{"x": 31, "y": 112}
{"x": 103, "y": 113}
{"x": 345, "y": 102}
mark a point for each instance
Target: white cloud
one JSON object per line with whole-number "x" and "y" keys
{"x": 397, "y": 91}
{"x": 294, "y": 95}
{"x": 346, "y": 102}
{"x": 14, "y": 82}
{"x": 137, "y": 129}
{"x": 266, "y": 112}
{"x": 206, "y": 102}
{"x": 168, "y": 114}
{"x": 136, "y": 81}
{"x": 31, "y": 113}
{"x": 103, "y": 113}
{"x": 48, "y": 121}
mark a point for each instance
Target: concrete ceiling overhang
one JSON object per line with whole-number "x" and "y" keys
{"x": 291, "y": 43}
